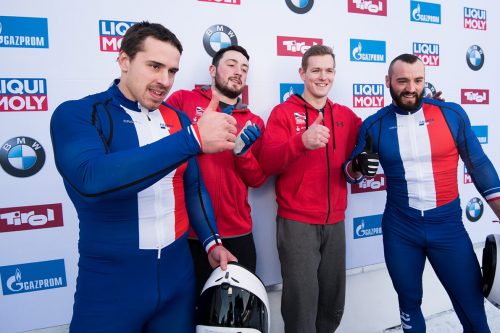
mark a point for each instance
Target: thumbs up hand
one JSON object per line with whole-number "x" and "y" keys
{"x": 367, "y": 161}
{"x": 317, "y": 135}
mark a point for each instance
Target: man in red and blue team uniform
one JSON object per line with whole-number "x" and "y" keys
{"x": 419, "y": 142}
{"x": 227, "y": 175}
{"x": 128, "y": 168}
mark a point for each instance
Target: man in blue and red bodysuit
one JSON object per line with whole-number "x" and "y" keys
{"x": 128, "y": 168}
{"x": 418, "y": 142}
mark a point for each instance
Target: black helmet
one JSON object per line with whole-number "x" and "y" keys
{"x": 234, "y": 300}
{"x": 491, "y": 270}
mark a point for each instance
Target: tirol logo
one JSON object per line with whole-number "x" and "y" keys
{"x": 300, "y": 6}
{"x": 25, "y": 32}
{"x": 428, "y": 53}
{"x": 367, "y": 95}
{"x": 481, "y": 133}
{"x": 23, "y": 94}
{"x": 474, "y": 18}
{"x": 467, "y": 177}
{"x": 429, "y": 89}
{"x": 218, "y": 37}
{"x": 36, "y": 276}
{"x": 295, "y": 46}
{"x": 111, "y": 34}
{"x": 229, "y": 2}
{"x": 474, "y": 209}
{"x": 370, "y": 7}
{"x": 373, "y": 184}
{"x": 31, "y": 217}
{"x": 367, "y": 226}
{"x": 22, "y": 156}
{"x": 475, "y": 96}
{"x": 425, "y": 12}
{"x": 288, "y": 89}
{"x": 475, "y": 57}
{"x": 367, "y": 50}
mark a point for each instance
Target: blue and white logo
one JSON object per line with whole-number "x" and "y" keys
{"x": 481, "y": 133}
{"x": 300, "y": 6}
{"x": 24, "y": 32}
{"x": 429, "y": 89}
{"x": 474, "y": 209}
{"x": 475, "y": 57}
{"x": 24, "y": 278}
{"x": 288, "y": 89}
{"x": 22, "y": 156}
{"x": 218, "y": 37}
{"x": 425, "y": 12}
{"x": 367, "y": 226}
{"x": 367, "y": 50}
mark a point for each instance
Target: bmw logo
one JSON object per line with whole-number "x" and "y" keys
{"x": 429, "y": 89}
{"x": 474, "y": 209}
{"x": 22, "y": 157}
{"x": 300, "y": 6}
{"x": 475, "y": 57}
{"x": 218, "y": 37}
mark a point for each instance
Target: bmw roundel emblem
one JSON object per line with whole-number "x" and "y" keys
{"x": 22, "y": 156}
{"x": 475, "y": 57}
{"x": 218, "y": 37}
{"x": 429, "y": 89}
{"x": 474, "y": 209}
{"x": 300, "y": 6}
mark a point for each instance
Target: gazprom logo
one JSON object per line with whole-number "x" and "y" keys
{"x": 36, "y": 276}
{"x": 111, "y": 34}
{"x": 481, "y": 133}
{"x": 474, "y": 18}
{"x": 367, "y": 226}
{"x": 367, "y": 95}
{"x": 425, "y": 12}
{"x": 428, "y": 53}
{"x": 24, "y": 32}
{"x": 367, "y": 50}
{"x": 289, "y": 89}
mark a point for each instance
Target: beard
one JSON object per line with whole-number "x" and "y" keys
{"x": 225, "y": 90}
{"x": 398, "y": 99}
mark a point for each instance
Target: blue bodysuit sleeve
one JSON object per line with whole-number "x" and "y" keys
{"x": 478, "y": 164}
{"x": 199, "y": 206}
{"x": 95, "y": 174}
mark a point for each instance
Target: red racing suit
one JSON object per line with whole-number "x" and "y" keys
{"x": 226, "y": 176}
{"x": 310, "y": 186}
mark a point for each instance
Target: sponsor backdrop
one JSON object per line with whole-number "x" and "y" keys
{"x": 69, "y": 51}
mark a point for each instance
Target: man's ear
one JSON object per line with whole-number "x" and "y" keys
{"x": 123, "y": 61}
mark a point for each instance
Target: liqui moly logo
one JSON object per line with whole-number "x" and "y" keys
{"x": 295, "y": 46}
{"x": 23, "y": 94}
{"x": 111, "y": 34}
{"x": 373, "y": 184}
{"x": 467, "y": 177}
{"x": 475, "y": 96}
{"x": 228, "y": 2}
{"x": 369, "y": 7}
{"x": 428, "y": 53}
{"x": 474, "y": 18}
{"x": 31, "y": 217}
{"x": 366, "y": 95}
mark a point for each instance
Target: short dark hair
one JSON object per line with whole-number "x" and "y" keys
{"x": 218, "y": 55}
{"x": 133, "y": 40}
{"x": 405, "y": 57}
{"x": 317, "y": 50}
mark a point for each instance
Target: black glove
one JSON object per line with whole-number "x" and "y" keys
{"x": 367, "y": 161}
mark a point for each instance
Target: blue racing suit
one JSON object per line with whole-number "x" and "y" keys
{"x": 136, "y": 189}
{"x": 422, "y": 219}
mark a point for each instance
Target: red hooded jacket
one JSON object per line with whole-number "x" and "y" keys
{"x": 226, "y": 176}
{"x": 310, "y": 185}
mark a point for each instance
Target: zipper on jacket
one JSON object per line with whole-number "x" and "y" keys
{"x": 328, "y": 166}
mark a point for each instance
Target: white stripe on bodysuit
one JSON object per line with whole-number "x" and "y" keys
{"x": 415, "y": 150}
{"x": 156, "y": 203}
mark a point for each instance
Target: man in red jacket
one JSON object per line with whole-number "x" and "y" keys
{"x": 227, "y": 175}
{"x": 307, "y": 140}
